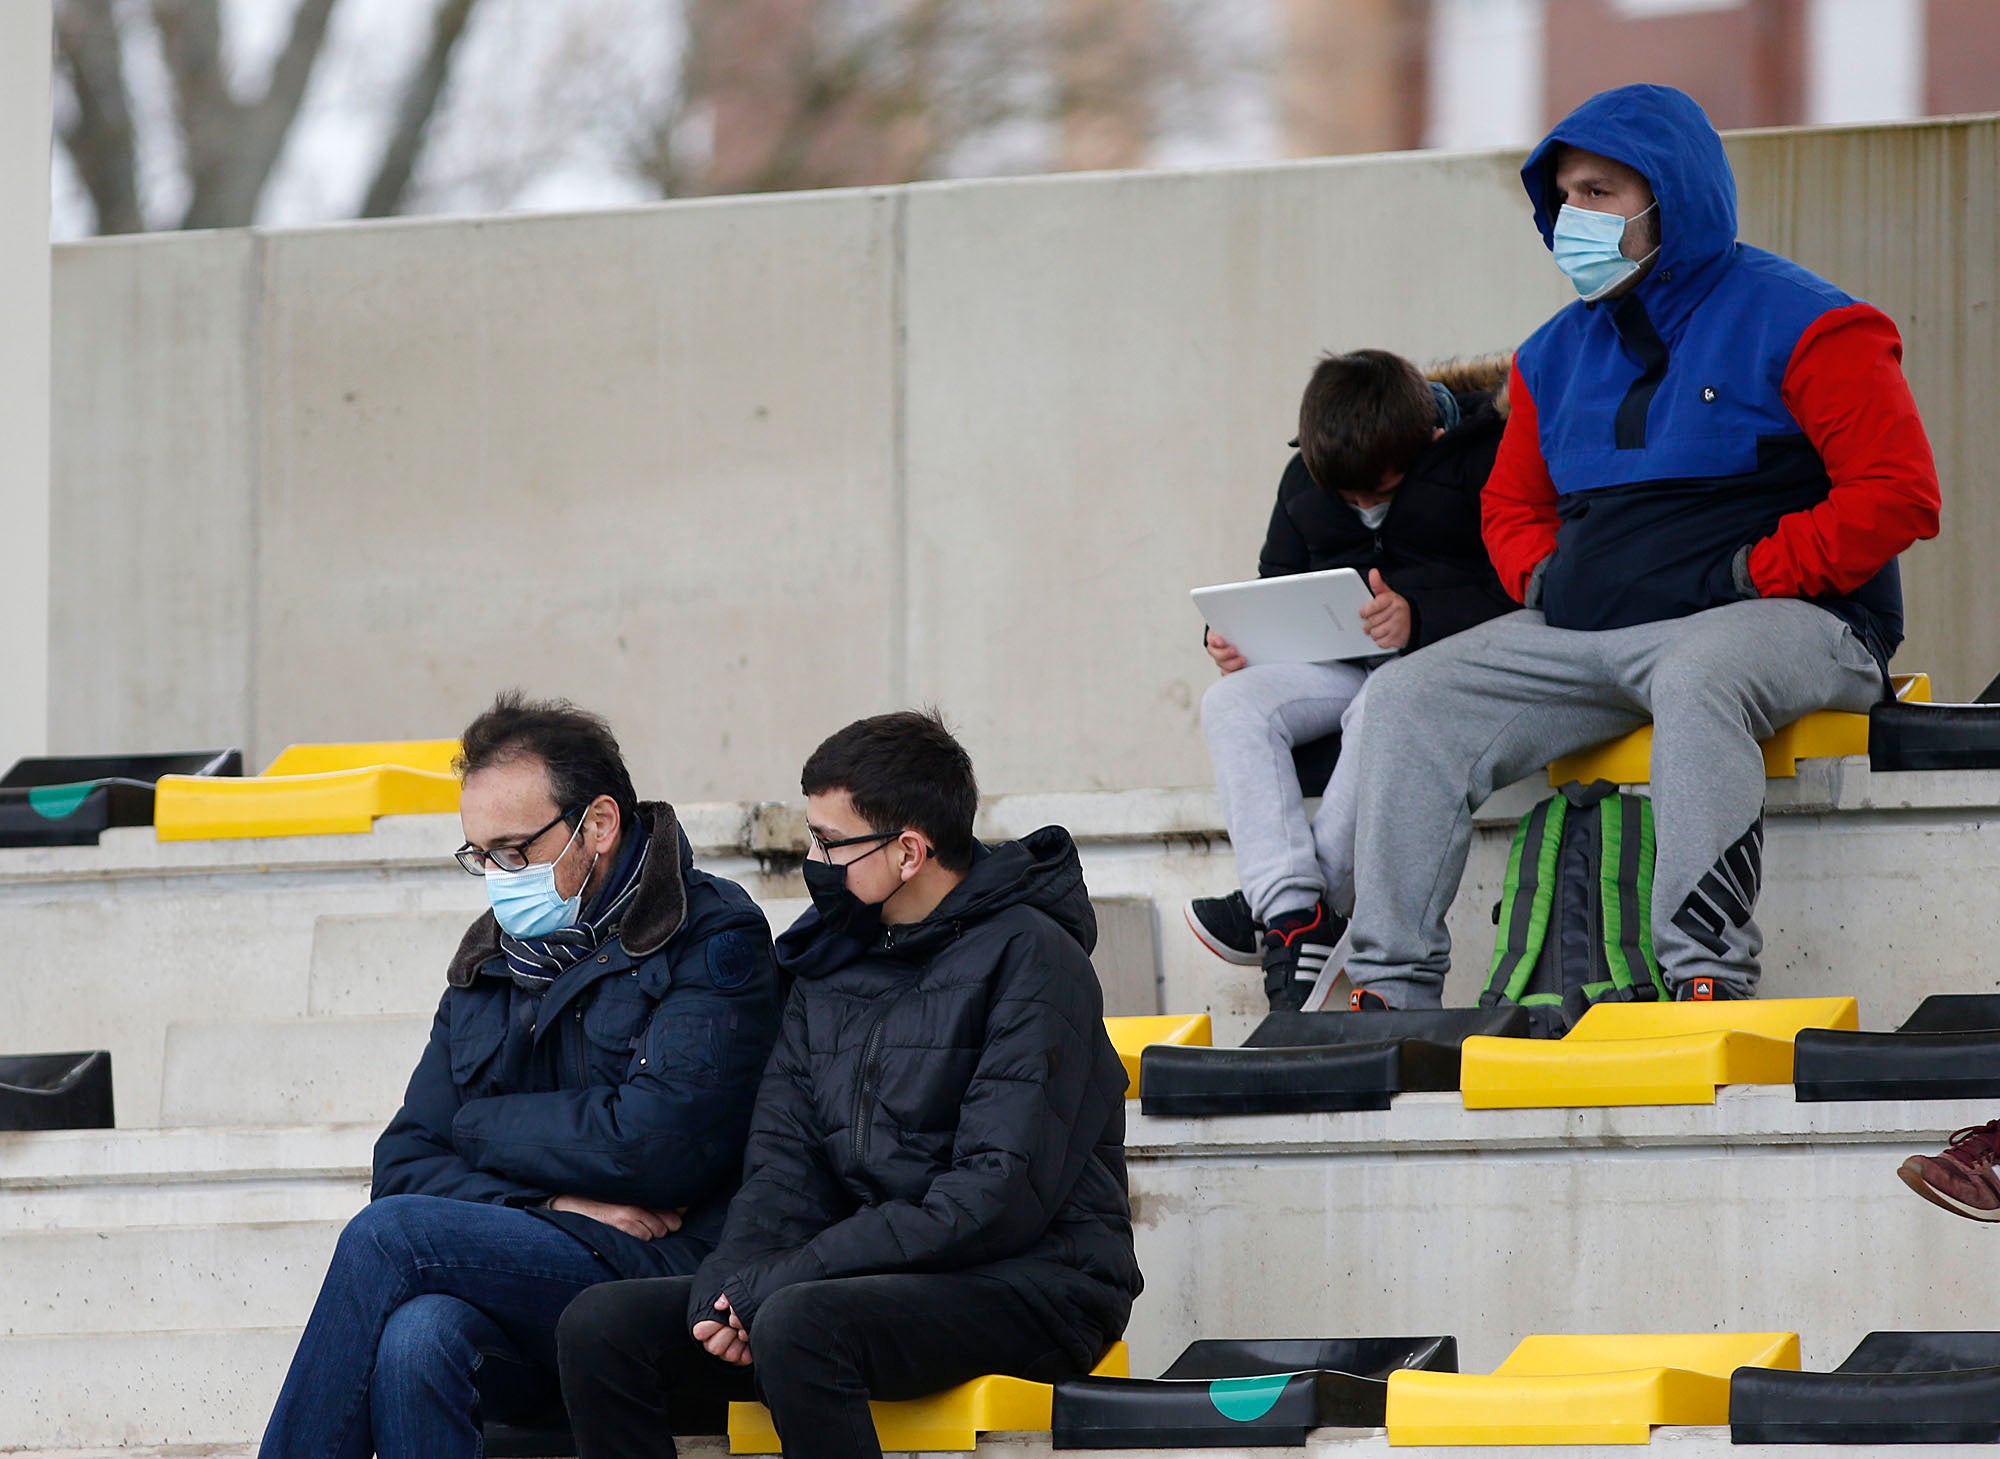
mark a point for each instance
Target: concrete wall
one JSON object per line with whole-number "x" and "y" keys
{"x": 736, "y": 471}
{"x": 24, "y": 376}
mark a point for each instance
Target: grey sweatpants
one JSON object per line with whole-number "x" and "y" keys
{"x": 1251, "y": 719}
{"x": 1449, "y": 726}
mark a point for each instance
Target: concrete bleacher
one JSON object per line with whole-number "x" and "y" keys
{"x": 264, "y": 1001}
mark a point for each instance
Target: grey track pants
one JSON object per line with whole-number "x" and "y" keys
{"x": 1251, "y": 719}
{"x": 1448, "y": 726}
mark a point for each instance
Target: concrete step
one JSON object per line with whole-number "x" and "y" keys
{"x": 1754, "y": 1214}
{"x": 394, "y": 962}
{"x": 103, "y": 1180}
{"x": 295, "y": 1071}
{"x": 373, "y": 985}
{"x": 162, "y": 1278}
{"x": 1668, "y": 1443}
{"x": 1857, "y": 871}
{"x": 114, "y": 1390}
{"x": 381, "y": 962}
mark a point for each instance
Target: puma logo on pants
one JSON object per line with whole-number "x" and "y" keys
{"x": 1723, "y": 898}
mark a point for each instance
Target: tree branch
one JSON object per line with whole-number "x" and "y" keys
{"x": 99, "y": 139}
{"x": 231, "y": 148}
{"x": 391, "y": 184}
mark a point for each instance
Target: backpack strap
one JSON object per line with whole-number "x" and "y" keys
{"x": 1525, "y": 902}
{"x": 1625, "y": 892}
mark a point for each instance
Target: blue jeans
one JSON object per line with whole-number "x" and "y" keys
{"x": 434, "y": 1315}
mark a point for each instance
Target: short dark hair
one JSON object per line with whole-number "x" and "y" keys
{"x": 577, "y": 746}
{"x": 1364, "y": 414}
{"x": 902, "y": 769}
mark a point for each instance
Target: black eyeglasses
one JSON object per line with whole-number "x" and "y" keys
{"x": 827, "y": 848}
{"x": 476, "y": 859}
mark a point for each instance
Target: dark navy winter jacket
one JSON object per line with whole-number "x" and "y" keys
{"x": 630, "y": 1079}
{"x": 944, "y": 1098}
{"x": 1735, "y": 426}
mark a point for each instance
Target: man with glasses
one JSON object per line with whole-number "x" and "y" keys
{"x": 579, "y": 1114}
{"x": 935, "y": 1183}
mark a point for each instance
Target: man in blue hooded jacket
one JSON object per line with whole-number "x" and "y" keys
{"x": 1711, "y": 465}
{"x": 579, "y": 1115}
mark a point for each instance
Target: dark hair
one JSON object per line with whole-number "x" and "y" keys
{"x": 577, "y": 746}
{"x": 1363, "y": 414}
{"x": 902, "y": 769}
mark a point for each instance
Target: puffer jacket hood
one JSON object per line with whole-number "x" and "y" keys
{"x": 1041, "y": 870}
{"x": 1665, "y": 136}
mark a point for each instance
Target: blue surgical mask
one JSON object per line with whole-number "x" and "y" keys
{"x": 1587, "y": 249}
{"x": 526, "y": 903}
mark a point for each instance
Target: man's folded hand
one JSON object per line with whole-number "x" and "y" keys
{"x": 637, "y": 1221}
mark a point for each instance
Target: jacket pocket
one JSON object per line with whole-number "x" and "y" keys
{"x": 478, "y": 1029}
{"x": 614, "y": 1024}
{"x": 684, "y": 1046}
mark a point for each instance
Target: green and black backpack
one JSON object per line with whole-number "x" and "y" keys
{"x": 1575, "y": 918}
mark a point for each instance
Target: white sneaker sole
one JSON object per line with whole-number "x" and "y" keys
{"x": 1221, "y": 949}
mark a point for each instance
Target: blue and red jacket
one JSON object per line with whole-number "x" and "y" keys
{"x": 1735, "y": 426}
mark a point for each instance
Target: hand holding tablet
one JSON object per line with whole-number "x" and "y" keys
{"x": 1306, "y": 618}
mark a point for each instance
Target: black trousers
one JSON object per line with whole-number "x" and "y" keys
{"x": 633, "y": 1375}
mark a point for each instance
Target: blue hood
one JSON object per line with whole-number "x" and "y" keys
{"x": 1662, "y": 134}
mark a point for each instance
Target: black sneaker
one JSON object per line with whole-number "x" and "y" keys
{"x": 1363, "y": 1001}
{"x": 1298, "y": 959}
{"x": 1703, "y": 990}
{"x": 1226, "y": 928}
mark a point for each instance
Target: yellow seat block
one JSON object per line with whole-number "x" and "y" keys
{"x": 432, "y": 755}
{"x": 1600, "y": 1388}
{"x": 953, "y": 1419}
{"x": 1131, "y": 1035}
{"x": 1826, "y": 734}
{"x": 1647, "y": 1053}
{"x": 312, "y": 790}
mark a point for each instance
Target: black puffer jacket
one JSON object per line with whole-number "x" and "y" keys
{"x": 945, "y": 1098}
{"x": 1429, "y": 548}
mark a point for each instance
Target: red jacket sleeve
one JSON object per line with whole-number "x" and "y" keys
{"x": 1518, "y": 506}
{"x": 1845, "y": 387}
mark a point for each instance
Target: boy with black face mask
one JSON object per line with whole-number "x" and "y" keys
{"x": 935, "y": 1183}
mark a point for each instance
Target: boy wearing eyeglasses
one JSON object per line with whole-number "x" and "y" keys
{"x": 935, "y": 1183}
{"x": 579, "y": 1115}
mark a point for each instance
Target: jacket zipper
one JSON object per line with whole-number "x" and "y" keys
{"x": 870, "y": 1052}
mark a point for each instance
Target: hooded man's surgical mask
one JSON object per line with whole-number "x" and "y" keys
{"x": 1588, "y": 249}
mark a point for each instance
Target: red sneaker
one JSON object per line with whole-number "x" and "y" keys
{"x": 1960, "y": 1177}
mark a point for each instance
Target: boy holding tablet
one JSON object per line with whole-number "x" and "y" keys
{"x": 1386, "y": 481}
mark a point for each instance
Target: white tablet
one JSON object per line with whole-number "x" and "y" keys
{"x": 1306, "y": 618}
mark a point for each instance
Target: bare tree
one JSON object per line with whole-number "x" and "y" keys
{"x": 391, "y": 186}
{"x": 229, "y": 145}
{"x": 659, "y": 98}
{"x": 99, "y": 137}
{"x": 781, "y": 94}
